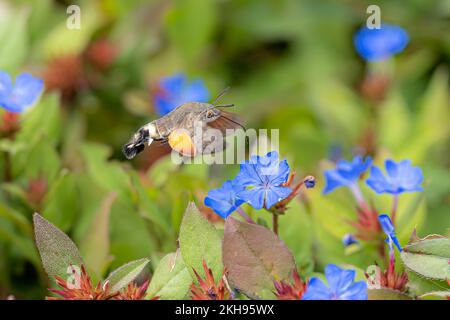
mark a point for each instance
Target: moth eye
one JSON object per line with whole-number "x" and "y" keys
{"x": 210, "y": 114}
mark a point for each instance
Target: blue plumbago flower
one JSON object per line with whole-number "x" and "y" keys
{"x": 223, "y": 200}
{"x": 341, "y": 286}
{"x": 401, "y": 177}
{"x": 346, "y": 173}
{"x": 20, "y": 95}
{"x": 176, "y": 90}
{"x": 388, "y": 228}
{"x": 349, "y": 239}
{"x": 380, "y": 44}
{"x": 263, "y": 177}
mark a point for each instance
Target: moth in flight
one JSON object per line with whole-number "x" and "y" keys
{"x": 179, "y": 127}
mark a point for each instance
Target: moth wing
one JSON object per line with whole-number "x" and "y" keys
{"x": 227, "y": 120}
{"x": 181, "y": 141}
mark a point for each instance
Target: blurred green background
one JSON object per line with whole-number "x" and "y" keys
{"x": 291, "y": 65}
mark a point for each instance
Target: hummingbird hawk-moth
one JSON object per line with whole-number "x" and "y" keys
{"x": 178, "y": 128}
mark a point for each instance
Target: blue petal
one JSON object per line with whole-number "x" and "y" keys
{"x": 222, "y": 208}
{"x": 282, "y": 174}
{"x": 253, "y": 196}
{"x": 6, "y": 86}
{"x": 196, "y": 92}
{"x": 332, "y": 181}
{"x": 317, "y": 290}
{"x": 378, "y": 182}
{"x": 357, "y": 291}
{"x": 338, "y": 279}
{"x": 276, "y": 194}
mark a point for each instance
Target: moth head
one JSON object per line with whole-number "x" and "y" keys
{"x": 210, "y": 114}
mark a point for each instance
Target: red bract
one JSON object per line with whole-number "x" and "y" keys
{"x": 36, "y": 191}
{"x": 102, "y": 54}
{"x": 390, "y": 279}
{"x": 207, "y": 289}
{"x": 83, "y": 290}
{"x": 9, "y": 124}
{"x": 286, "y": 291}
{"x": 367, "y": 226}
{"x": 134, "y": 292}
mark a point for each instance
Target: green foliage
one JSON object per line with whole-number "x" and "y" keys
{"x": 255, "y": 257}
{"x": 428, "y": 257}
{"x": 171, "y": 280}
{"x": 122, "y": 276}
{"x": 199, "y": 241}
{"x": 57, "y": 251}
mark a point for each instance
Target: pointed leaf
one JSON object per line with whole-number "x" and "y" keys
{"x": 125, "y": 274}
{"x": 199, "y": 240}
{"x": 255, "y": 257}
{"x": 57, "y": 251}
{"x": 171, "y": 280}
{"x": 95, "y": 245}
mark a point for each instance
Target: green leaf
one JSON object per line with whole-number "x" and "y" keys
{"x": 57, "y": 251}
{"x": 386, "y": 294}
{"x": 171, "y": 280}
{"x": 13, "y": 37}
{"x": 418, "y": 285}
{"x": 189, "y": 33}
{"x": 200, "y": 241}
{"x": 126, "y": 274}
{"x": 61, "y": 204}
{"x": 95, "y": 245}
{"x": 255, "y": 257}
{"x": 428, "y": 257}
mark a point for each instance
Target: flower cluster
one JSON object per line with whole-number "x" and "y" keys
{"x": 262, "y": 182}
{"x": 400, "y": 177}
{"x": 175, "y": 90}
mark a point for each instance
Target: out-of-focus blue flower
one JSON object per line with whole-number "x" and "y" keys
{"x": 348, "y": 239}
{"x": 346, "y": 173}
{"x": 401, "y": 177}
{"x": 175, "y": 90}
{"x": 20, "y": 95}
{"x": 341, "y": 286}
{"x": 223, "y": 200}
{"x": 388, "y": 228}
{"x": 380, "y": 44}
{"x": 263, "y": 178}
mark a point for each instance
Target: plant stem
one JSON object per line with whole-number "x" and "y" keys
{"x": 275, "y": 223}
{"x": 245, "y": 216}
{"x": 394, "y": 208}
{"x": 359, "y": 197}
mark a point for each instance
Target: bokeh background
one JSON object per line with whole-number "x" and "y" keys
{"x": 291, "y": 65}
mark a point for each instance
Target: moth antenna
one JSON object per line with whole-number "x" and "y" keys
{"x": 225, "y": 105}
{"x": 221, "y": 94}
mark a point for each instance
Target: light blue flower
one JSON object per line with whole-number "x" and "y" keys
{"x": 175, "y": 90}
{"x": 263, "y": 177}
{"x": 346, "y": 173}
{"x": 388, "y": 228}
{"x": 401, "y": 177}
{"x": 20, "y": 95}
{"x": 341, "y": 286}
{"x": 380, "y": 44}
{"x": 223, "y": 200}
